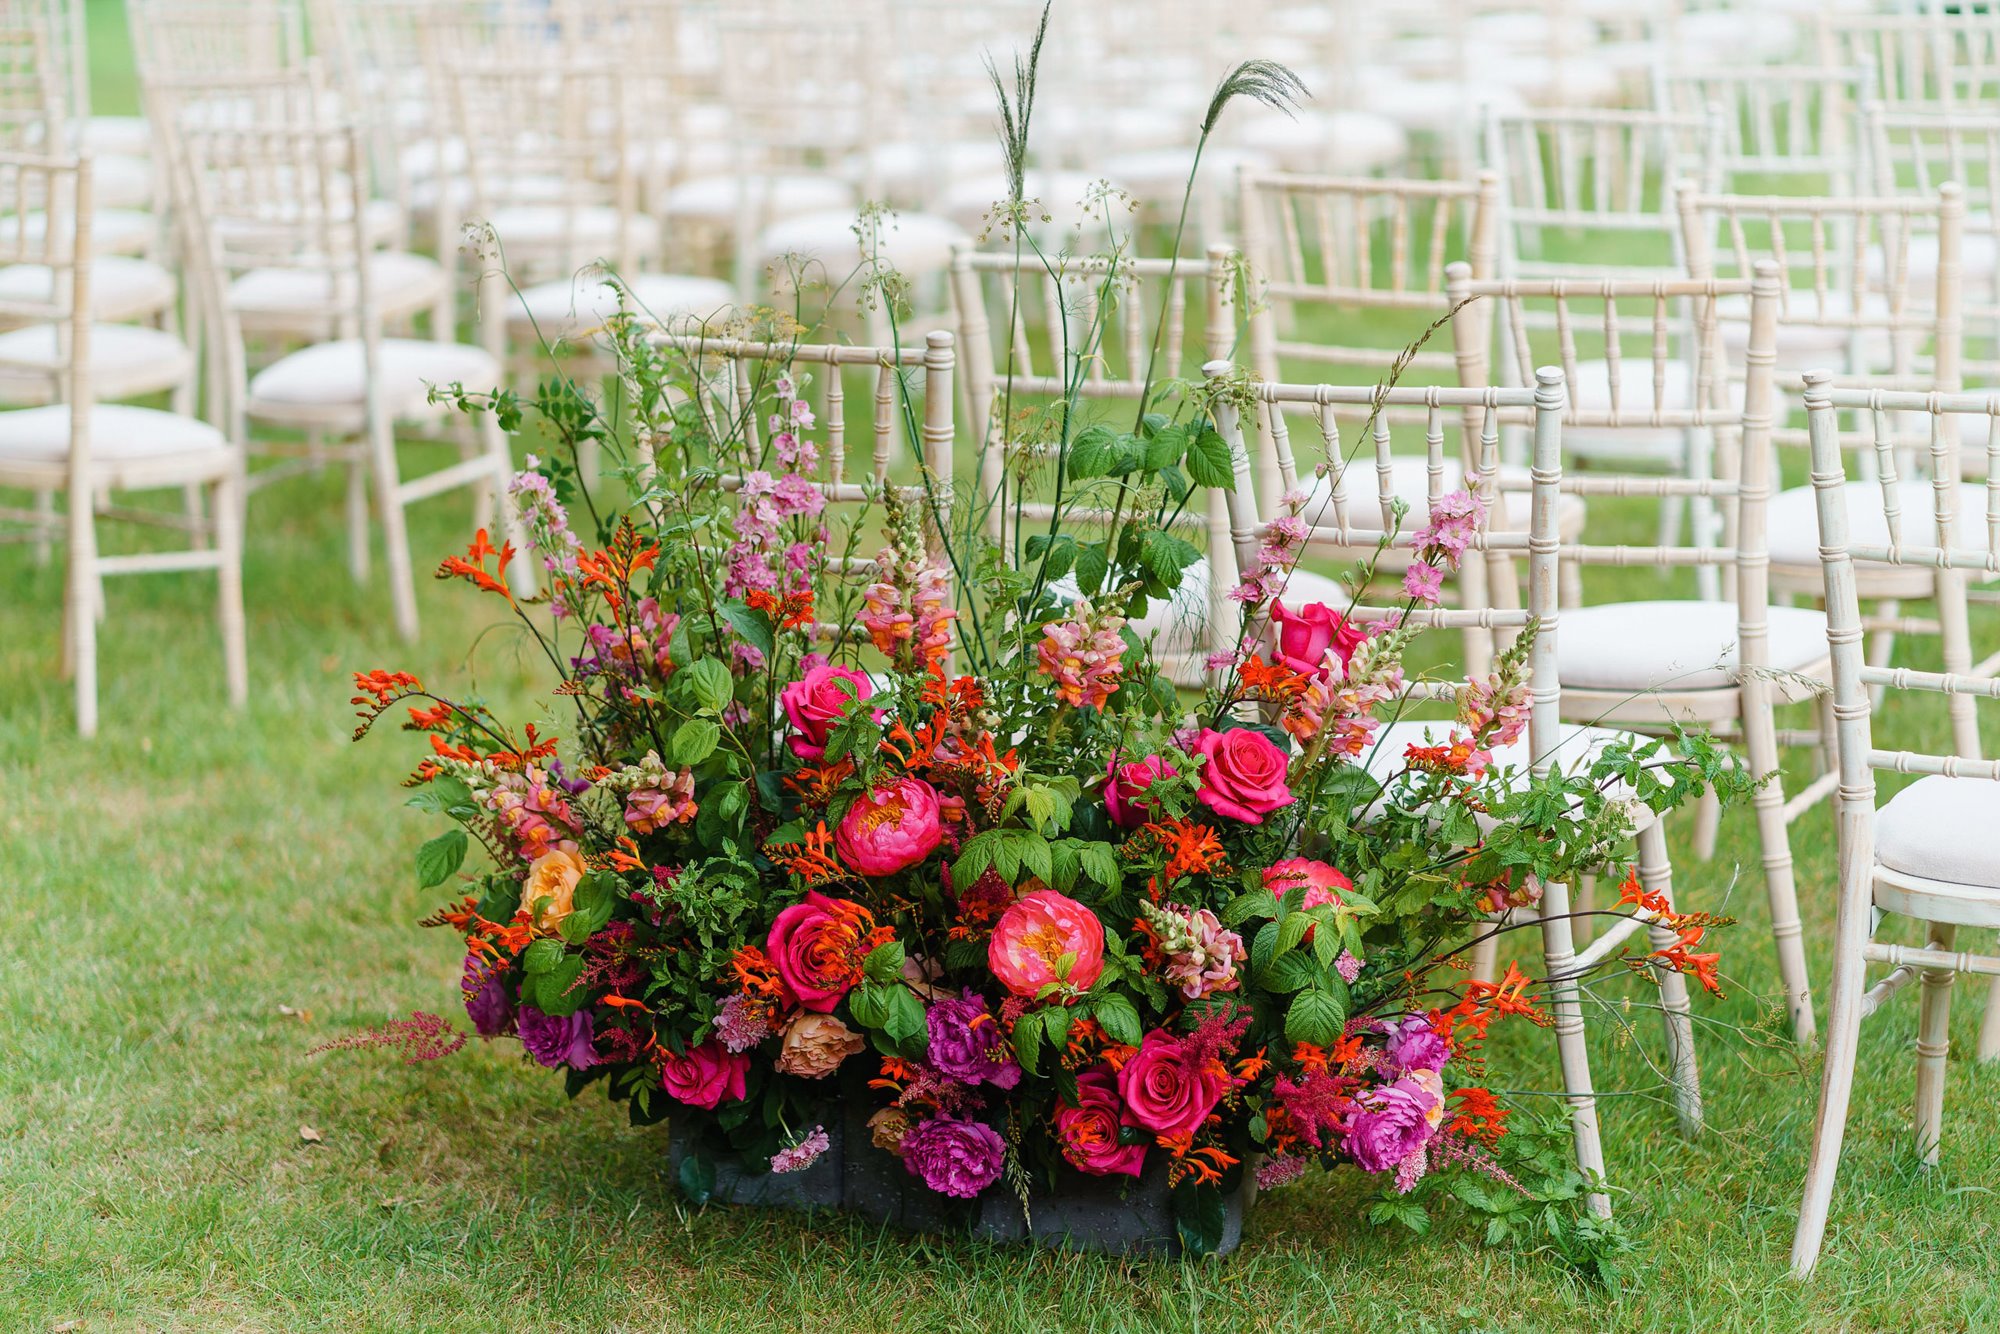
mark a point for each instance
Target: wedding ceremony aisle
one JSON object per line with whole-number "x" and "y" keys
{"x": 1132, "y": 665}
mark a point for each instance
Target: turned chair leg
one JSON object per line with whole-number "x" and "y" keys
{"x": 1843, "y": 1038}
{"x": 1566, "y": 1004}
{"x": 1933, "y": 1044}
{"x": 229, "y": 599}
{"x": 1656, "y": 874}
{"x": 1989, "y": 1027}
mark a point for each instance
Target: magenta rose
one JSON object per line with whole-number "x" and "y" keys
{"x": 1415, "y": 1045}
{"x": 1244, "y": 778}
{"x": 1393, "y": 1122}
{"x": 1300, "y": 639}
{"x": 1164, "y": 1091}
{"x": 813, "y": 704}
{"x": 1088, "y": 1131}
{"x": 890, "y": 829}
{"x": 706, "y": 1076}
{"x": 818, "y": 947}
{"x": 1124, "y": 794}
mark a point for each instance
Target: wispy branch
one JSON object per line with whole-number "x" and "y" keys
{"x": 1264, "y": 81}
{"x": 1018, "y": 108}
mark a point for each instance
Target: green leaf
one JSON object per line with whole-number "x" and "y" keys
{"x": 1316, "y": 1016}
{"x": 552, "y": 993}
{"x": 1249, "y": 905}
{"x": 1289, "y": 972}
{"x": 1119, "y": 1019}
{"x": 445, "y": 795}
{"x": 1208, "y": 461}
{"x": 1093, "y": 453}
{"x": 697, "y": 1177}
{"x": 750, "y": 626}
{"x": 1165, "y": 448}
{"x": 542, "y": 956}
{"x": 1200, "y": 1216}
{"x": 694, "y": 741}
{"x": 440, "y": 857}
{"x": 1093, "y": 563}
{"x": 708, "y": 683}
{"x": 884, "y": 963}
{"x": 905, "y": 1022}
{"x": 1293, "y": 930}
{"x": 1028, "y": 1041}
{"x": 596, "y": 894}
{"x": 869, "y": 1004}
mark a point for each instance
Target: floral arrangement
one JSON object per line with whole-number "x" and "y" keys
{"x": 945, "y": 839}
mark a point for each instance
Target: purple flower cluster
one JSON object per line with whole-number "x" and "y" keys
{"x": 558, "y": 1040}
{"x": 966, "y": 1043}
{"x": 803, "y": 1154}
{"x": 953, "y": 1157}
{"x": 486, "y": 1001}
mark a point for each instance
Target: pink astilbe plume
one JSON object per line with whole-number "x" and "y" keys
{"x": 422, "y": 1037}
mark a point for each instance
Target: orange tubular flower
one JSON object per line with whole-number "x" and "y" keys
{"x": 756, "y": 976}
{"x": 813, "y": 863}
{"x": 1477, "y": 1115}
{"x": 380, "y": 687}
{"x": 1192, "y": 848}
{"x": 1262, "y": 680}
{"x": 1681, "y": 958}
{"x": 472, "y": 566}
{"x": 1630, "y": 891}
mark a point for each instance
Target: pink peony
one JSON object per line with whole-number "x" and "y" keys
{"x": 813, "y": 704}
{"x": 1033, "y": 936}
{"x": 1244, "y": 778}
{"x": 890, "y": 829}
{"x": 1300, "y": 639}
{"x": 1164, "y": 1091}
{"x": 707, "y": 1076}
{"x": 1088, "y": 1130}
{"x": 1124, "y": 794}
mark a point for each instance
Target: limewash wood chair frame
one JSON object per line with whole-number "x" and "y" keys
{"x": 1796, "y": 123}
{"x": 88, "y": 450}
{"x": 1928, "y": 854}
{"x": 1668, "y": 651}
{"x": 736, "y": 372}
{"x": 1016, "y": 323}
{"x": 1550, "y": 741}
{"x": 1925, "y": 58}
{"x": 283, "y": 193}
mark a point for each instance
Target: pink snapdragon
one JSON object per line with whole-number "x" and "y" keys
{"x": 545, "y": 522}
{"x": 1083, "y": 655}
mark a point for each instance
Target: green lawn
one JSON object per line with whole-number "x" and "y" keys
{"x": 198, "y": 897}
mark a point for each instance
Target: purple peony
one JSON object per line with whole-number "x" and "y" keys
{"x": 486, "y": 1001}
{"x": 1392, "y": 1123}
{"x": 966, "y": 1043}
{"x": 558, "y": 1040}
{"x": 954, "y": 1157}
{"x": 1415, "y": 1045}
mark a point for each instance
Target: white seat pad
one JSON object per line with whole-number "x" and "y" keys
{"x": 562, "y": 307}
{"x": 118, "y": 181}
{"x": 1942, "y": 829}
{"x": 719, "y": 199}
{"x": 912, "y": 243}
{"x": 128, "y": 135}
{"x": 333, "y": 375}
{"x": 1669, "y": 646}
{"x": 911, "y": 165}
{"x": 398, "y": 281}
{"x": 1432, "y": 106}
{"x": 126, "y": 361}
{"x": 113, "y": 231}
{"x": 121, "y": 287}
{"x": 1160, "y": 174}
{"x": 1793, "y": 519}
{"x": 1341, "y": 142}
{"x": 589, "y": 225}
{"x": 118, "y": 433}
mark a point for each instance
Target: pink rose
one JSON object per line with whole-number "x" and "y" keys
{"x": 1088, "y": 1131}
{"x": 1322, "y": 882}
{"x": 889, "y": 829}
{"x": 1033, "y": 936}
{"x": 1163, "y": 1092}
{"x": 814, "y": 702}
{"x": 818, "y": 947}
{"x": 1124, "y": 792}
{"x": 1244, "y": 778}
{"x": 1300, "y": 639}
{"x": 707, "y": 1076}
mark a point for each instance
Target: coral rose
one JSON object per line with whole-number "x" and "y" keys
{"x": 1322, "y": 882}
{"x": 814, "y": 1045}
{"x": 813, "y": 705}
{"x": 551, "y": 876}
{"x": 1244, "y": 778}
{"x": 1036, "y": 933}
{"x": 1163, "y": 1091}
{"x": 1124, "y": 794}
{"x": 1300, "y": 639}
{"x": 818, "y": 947}
{"x": 890, "y": 829}
{"x": 1088, "y": 1131}
{"x": 706, "y": 1076}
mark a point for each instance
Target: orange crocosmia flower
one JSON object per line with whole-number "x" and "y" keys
{"x": 1272, "y": 681}
{"x": 1632, "y": 892}
{"x": 1681, "y": 958}
{"x": 472, "y": 566}
{"x": 813, "y": 862}
{"x": 623, "y": 1003}
{"x": 423, "y": 720}
{"x": 381, "y": 687}
{"x": 1478, "y": 1115}
{"x": 1192, "y": 848}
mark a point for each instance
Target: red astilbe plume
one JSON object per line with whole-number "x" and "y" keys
{"x": 1315, "y": 1106}
{"x": 471, "y": 567}
{"x": 421, "y": 1037}
{"x": 609, "y": 962}
{"x": 1214, "y": 1040}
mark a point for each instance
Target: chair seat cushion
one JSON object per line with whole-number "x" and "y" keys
{"x": 1590, "y": 392}
{"x": 128, "y": 446}
{"x": 1342, "y": 142}
{"x": 113, "y": 231}
{"x": 1158, "y": 175}
{"x": 561, "y": 308}
{"x": 128, "y": 135}
{"x": 334, "y": 375}
{"x": 1671, "y": 646}
{"x": 126, "y": 361}
{"x": 1793, "y": 519}
{"x": 589, "y": 225}
{"x": 1432, "y": 106}
{"x": 1942, "y": 829}
{"x": 118, "y": 181}
{"x": 719, "y": 199}
{"x": 908, "y": 166}
{"x": 121, "y": 287}
{"x": 914, "y": 243}
{"x": 399, "y": 282}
